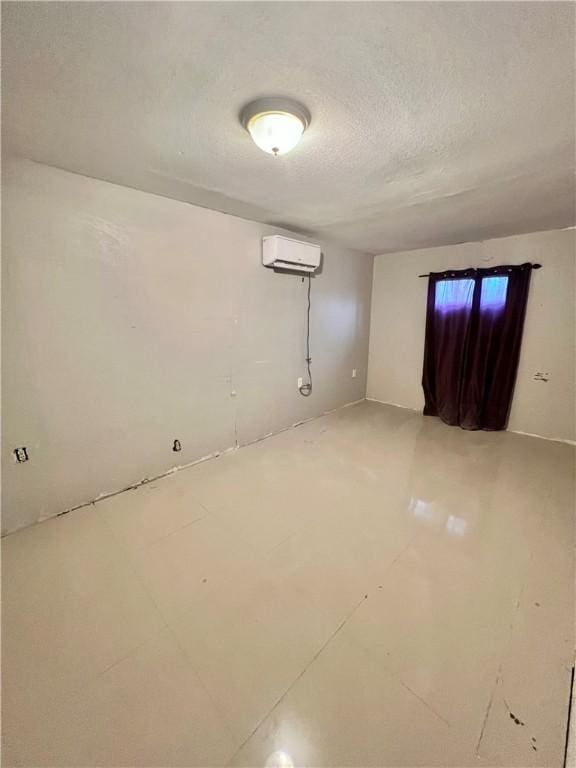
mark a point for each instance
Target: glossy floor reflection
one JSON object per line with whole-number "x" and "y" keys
{"x": 372, "y": 588}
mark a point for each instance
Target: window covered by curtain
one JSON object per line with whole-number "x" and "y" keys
{"x": 474, "y": 325}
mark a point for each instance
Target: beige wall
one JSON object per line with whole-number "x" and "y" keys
{"x": 398, "y": 320}
{"x": 131, "y": 320}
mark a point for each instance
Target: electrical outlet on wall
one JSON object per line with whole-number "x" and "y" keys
{"x": 353, "y": 373}
{"x": 300, "y": 382}
{"x": 20, "y": 455}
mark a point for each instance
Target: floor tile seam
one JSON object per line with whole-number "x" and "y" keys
{"x": 488, "y": 710}
{"x": 160, "y": 539}
{"x": 194, "y": 668}
{"x": 300, "y": 675}
{"x": 167, "y": 625}
{"x": 138, "y": 576}
{"x": 78, "y": 691}
{"x": 149, "y": 545}
{"x": 509, "y": 636}
{"x": 93, "y": 598}
{"x": 324, "y": 646}
{"x": 423, "y": 701}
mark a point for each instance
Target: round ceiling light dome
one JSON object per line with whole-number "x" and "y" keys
{"x": 276, "y": 125}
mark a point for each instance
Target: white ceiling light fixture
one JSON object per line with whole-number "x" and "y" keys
{"x": 276, "y": 125}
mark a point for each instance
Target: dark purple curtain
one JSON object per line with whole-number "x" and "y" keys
{"x": 474, "y": 325}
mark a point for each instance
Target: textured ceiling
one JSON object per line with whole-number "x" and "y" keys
{"x": 432, "y": 123}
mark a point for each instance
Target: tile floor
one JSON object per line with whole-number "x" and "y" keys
{"x": 372, "y": 588}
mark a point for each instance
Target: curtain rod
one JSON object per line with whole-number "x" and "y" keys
{"x": 473, "y": 269}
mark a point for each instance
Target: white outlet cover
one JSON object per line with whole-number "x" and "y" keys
{"x": 300, "y": 382}
{"x": 353, "y": 373}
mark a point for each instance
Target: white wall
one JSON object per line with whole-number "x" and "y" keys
{"x": 549, "y": 344}
{"x": 131, "y": 320}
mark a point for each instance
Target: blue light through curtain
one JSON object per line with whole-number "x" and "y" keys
{"x": 454, "y": 294}
{"x": 493, "y": 295}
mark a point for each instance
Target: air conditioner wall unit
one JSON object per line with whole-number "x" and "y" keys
{"x": 284, "y": 253}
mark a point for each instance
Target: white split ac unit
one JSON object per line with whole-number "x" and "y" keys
{"x": 284, "y": 253}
